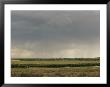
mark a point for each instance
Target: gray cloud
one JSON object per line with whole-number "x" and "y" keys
{"x": 56, "y": 33}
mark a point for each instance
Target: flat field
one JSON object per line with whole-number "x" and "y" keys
{"x": 61, "y": 67}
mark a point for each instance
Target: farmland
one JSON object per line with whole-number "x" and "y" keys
{"x": 61, "y": 67}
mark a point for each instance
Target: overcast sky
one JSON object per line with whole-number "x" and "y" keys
{"x": 51, "y": 34}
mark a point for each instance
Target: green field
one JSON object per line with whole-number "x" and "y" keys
{"x": 62, "y": 67}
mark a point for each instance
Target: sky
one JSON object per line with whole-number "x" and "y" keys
{"x": 55, "y": 34}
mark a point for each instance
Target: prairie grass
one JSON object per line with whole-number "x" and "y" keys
{"x": 55, "y": 67}
{"x": 56, "y": 72}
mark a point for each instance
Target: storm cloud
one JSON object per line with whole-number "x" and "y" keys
{"x": 51, "y": 34}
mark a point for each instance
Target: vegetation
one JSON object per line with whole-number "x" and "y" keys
{"x": 61, "y": 67}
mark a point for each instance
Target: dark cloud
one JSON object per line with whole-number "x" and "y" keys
{"x": 55, "y": 31}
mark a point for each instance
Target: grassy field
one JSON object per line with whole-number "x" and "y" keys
{"x": 78, "y": 67}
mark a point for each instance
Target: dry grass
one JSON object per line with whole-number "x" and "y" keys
{"x": 56, "y": 72}
{"x": 82, "y": 71}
